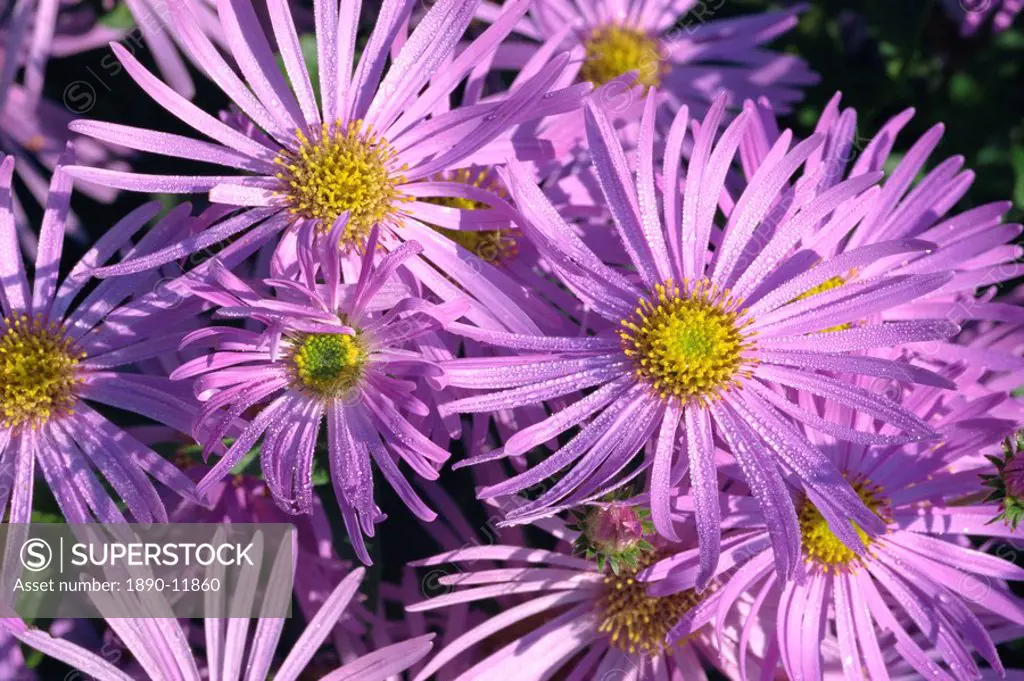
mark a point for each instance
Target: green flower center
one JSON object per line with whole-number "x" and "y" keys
{"x": 614, "y": 50}
{"x": 328, "y": 364}
{"x": 688, "y": 344}
{"x": 343, "y": 169}
{"x": 37, "y": 371}
{"x": 820, "y": 545}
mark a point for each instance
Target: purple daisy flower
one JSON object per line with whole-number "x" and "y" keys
{"x": 33, "y": 31}
{"x": 155, "y": 26}
{"x": 675, "y": 46}
{"x": 366, "y": 144}
{"x": 64, "y": 350}
{"x": 33, "y": 129}
{"x": 452, "y": 530}
{"x": 161, "y": 650}
{"x": 973, "y": 245}
{"x": 333, "y": 352}
{"x": 973, "y": 14}
{"x": 899, "y": 669}
{"x": 156, "y": 30}
{"x": 562, "y": 615}
{"x": 245, "y": 499}
{"x": 922, "y": 582}
{"x": 992, "y": 352}
{"x": 694, "y": 345}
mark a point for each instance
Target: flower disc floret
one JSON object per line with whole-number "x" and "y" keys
{"x": 614, "y": 50}
{"x": 635, "y": 621}
{"x": 822, "y": 547}
{"x": 37, "y": 371}
{"x": 342, "y": 168}
{"x": 688, "y": 342}
{"x": 494, "y": 246}
{"x": 328, "y": 364}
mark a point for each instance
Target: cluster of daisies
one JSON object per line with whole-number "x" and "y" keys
{"x": 733, "y": 399}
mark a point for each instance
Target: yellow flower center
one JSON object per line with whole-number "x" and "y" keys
{"x": 614, "y": 50}
{"x": 821, "y": 546}
{"x": 688, "y": 343}
{"x": 37, "y": 371}
{"x": 328, "y": 364}
{"x": 495, "y": 245}
{"x": 827, "y": 285}
{"x": 636, "y": 621}
{"x": 342, "y": 169}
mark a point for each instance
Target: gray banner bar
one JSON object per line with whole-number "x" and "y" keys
{"x": 192, "y": 570}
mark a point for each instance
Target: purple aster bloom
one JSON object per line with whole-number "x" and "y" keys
{"x": 367, "y": 144}
{"x": 64, "y": 349}
{"x": 561, "y": 615}
{"x": 695, "y": 345}
{"x": 332, "y": 352}
{"x": 973, "y": 245}
{"x": 452, "y": 530}
{"x": 156, "y": 30}
{"x": 973, "y": 14}
{"x": 245, "y": 499}
{"x": 899, "y": 669}
{"x": 35, "y": 30}
{"x": 162, "y": 652}
{"x": 33, "y": 129}
{"x": 676, "y": 46}
{"x": 922, "y": 582}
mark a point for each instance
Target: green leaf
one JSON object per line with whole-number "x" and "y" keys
{"x": 46, "y": 517}
{"x": 251, "y": 459}
{"x": 1017, "y": 161}
{"x": 964, "y": 89}
{"x": 32, "y": 657}
{"x": 307, "y": 44}
{"x": 321, "y": 474}
{"x": 119, "y": 18}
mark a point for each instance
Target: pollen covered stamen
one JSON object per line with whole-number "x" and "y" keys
{"x": 688, "y": 342}
{"x": 328, "y": 364}
{"x": 827, "y": 285}
{"x": 614, "y": 50}
{"x": 821, "y": 546}
{"x": 823, "y": 287}
{"x": 635, "y": 621}
{"x": 493, "y": 245}
{"x": 37, "y": 371}
{"x": 342, "y": 168}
